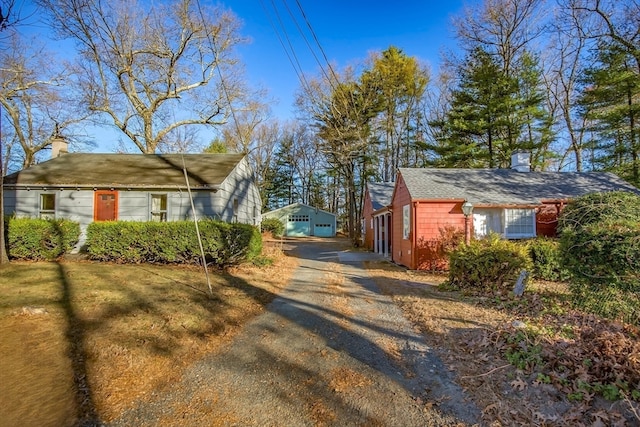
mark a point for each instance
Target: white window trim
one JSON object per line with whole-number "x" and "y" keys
{"x": 151, "y": 211}
{"x": 406, "y": 222}
{"x": 48, "y": 213}
{"x": 519, "y": 235}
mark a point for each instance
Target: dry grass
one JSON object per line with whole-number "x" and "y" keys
{"x": 466, "y": 332}
{"x": 85, "y": 340}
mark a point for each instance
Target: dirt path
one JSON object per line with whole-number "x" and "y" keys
{"x": 330, "y": 350}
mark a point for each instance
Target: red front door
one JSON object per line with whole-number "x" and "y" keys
{"x": 105, "y": 206}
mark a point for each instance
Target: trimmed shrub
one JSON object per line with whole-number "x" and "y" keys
{"x": 488, "y": 265}
{"x": 173, "y": 242}
{"x": 273, "y": 225}
{"x": 547, "y": 259}
{"x": 40, "y": 239}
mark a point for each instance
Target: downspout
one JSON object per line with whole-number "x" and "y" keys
{"x": 414, "y": 236}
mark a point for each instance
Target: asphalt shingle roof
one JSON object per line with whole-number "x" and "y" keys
{"x": 380, "y": 193}
{"x": 507, "y": 186}
{"x": 129, "y": 170}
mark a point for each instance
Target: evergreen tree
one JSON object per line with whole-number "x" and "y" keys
{"x": 476, "y": 128}
{"x": 280, "y": 178}
{"x": 611, "y": 106}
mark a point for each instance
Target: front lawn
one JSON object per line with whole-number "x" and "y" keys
{"x": 85, "y": 340}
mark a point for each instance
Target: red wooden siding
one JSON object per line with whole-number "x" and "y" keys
{"x": 401, "y": 248}
{"x": 367, "y": 211}
{"x": 547, "y": 219}
{"x": 433, "y": 221}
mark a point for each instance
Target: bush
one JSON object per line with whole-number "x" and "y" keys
{"x": 598, "y": 208}
{"x": 487, "y": 265}
{"x": 606, "y": 254}
{"x": 173, "y": 242}
{"x": 273, "y": 225}
{"x": 547, "y": 259}
{"x": 40, "y": 239}
{"x": 600, "y": 246}
{"x": 433, "y": 254}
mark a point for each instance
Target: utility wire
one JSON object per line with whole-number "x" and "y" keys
{"x": 306, "y": 40}
{"x": 315, "y": 37}
{"x": 290, "y": 51}
{"x": 212, "y": 44}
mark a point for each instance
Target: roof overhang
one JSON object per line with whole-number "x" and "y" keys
{"x": 29, "y": 187}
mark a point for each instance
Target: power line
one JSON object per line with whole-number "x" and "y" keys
{"x": 315, "y": 37}
{"x": 212, "y": 44}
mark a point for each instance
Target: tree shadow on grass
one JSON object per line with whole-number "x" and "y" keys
{"x": 75, "y": 335}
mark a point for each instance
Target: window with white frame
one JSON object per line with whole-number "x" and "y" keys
{"x": 406, "y": 222}
{"x": 159, "y": 207}
{"x": 519, "y": 223}
{"x": 47, "y": 205}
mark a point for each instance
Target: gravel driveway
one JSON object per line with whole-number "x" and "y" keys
{"x": 329, "y": 351}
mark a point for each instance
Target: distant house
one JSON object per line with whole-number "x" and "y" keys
{"x": 512, "y": 202}
{"x": 302, "y": 220}
{"x": 376, "y": 217}
{"x": 135, "y": 187}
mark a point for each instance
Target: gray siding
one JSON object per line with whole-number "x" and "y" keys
{"x": 135, "y": 205}
{"x": 316, "y": 217}
{"x": 240, "y": 185}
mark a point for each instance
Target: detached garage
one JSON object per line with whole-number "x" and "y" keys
{"x": 302, "y": 220}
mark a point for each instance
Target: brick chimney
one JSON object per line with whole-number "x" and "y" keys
{"x": 521, "y": 161}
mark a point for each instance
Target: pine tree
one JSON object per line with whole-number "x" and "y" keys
{"x": 611, "y": 105}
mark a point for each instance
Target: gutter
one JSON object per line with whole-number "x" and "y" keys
{"x": 61, "y": 187}
{"x": 414, "y": 234}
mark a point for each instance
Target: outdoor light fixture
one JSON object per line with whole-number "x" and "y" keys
{"x": 467, "y": 209}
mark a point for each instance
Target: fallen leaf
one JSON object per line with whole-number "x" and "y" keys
{"x": 519, "y": 384}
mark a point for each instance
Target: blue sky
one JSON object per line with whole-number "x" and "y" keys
{"x": 347, "y": 31}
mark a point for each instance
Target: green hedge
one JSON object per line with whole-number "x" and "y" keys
{"x": 40, "y": 239}
{"x": 604, "y": 254}
{"x": 274, "y": 225}
{"x": 547, "y": 259}
{"x": 487, "y": 265}
{"x": 173, "y": 242}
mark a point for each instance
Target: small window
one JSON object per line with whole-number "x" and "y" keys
{"x": 519, "y": 223}
{"x": 406, "y": 222}
{"x": 159, "y": 207}
{"x": 47, "y": 206}
{"x": 235, "y": 210}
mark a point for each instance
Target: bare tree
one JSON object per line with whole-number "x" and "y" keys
{"x": 142, "y": 63}
{"x": 564, "y": 61}
{"x": 618, "y": 22}
{"x": 36, "y": 100}
{"x": 342, "y": 113}
{"x": 9, "y": 14}
{"x": 504, "y": 27}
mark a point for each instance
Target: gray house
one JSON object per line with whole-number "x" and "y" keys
{"x": 135, "y": 187}
{"x": 302, "y": 220}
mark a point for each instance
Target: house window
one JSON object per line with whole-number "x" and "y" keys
{"x": 47, "y": 206}
{"x": 159, "y": 207}
{"x": 406, "y": 224}
{"x": 519, "y": 223}
{"x": 235, "y": 210}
